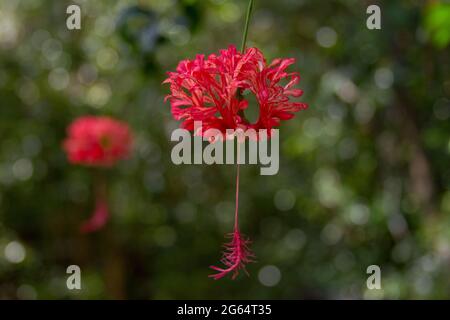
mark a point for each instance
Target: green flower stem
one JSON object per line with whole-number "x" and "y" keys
{"x": 247, "y": 22}
{"x": 244, "y": 40}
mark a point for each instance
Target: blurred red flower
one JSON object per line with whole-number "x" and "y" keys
{"x": 97, "y": 141}
{"x": 207, "y": 90}
{"x": 99, "y": 217}
{"x": 100, "y": 142}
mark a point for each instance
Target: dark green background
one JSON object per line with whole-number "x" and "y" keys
{"x": 364, "y": 175}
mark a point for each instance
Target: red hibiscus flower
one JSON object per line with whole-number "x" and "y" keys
{"x": 206, "y": 90}
{"x": 212, "y": 91}
{"x": 97, "y": 141}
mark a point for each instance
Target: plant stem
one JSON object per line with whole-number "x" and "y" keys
{"x": 247, "y": 22}
{"x": 244, "y": 40}
{"x": 236, "y": 211}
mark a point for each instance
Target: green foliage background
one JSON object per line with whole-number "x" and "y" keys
{"x": 364, "y": 175}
